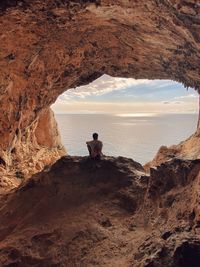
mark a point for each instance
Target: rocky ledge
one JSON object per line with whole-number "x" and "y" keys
{"x": 104, "y": 213}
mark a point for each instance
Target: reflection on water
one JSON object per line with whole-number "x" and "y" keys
{"x": 137, "y": 137}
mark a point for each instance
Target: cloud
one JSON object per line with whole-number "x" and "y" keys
{"x": 121, "y": 108}
{"x": 186, "y": 97}
{"x": 110, "y": 95}
{"x": 172, "y": 102}
{"x": 101, "y": 86}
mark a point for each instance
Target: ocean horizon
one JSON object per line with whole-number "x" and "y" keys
{"x": 137, "y": 136}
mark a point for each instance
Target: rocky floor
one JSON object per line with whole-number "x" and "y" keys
{"x": 106, "y": 213}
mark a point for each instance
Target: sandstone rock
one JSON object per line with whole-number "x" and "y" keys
{"x": 75, "y": 216}
{"x": 48, "y": 47}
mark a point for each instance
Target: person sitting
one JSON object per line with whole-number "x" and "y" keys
{"x": 95, "y": 147}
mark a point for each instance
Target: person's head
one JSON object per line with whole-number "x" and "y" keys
{"x": 95, "y": 136}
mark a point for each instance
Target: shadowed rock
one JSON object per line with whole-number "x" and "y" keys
{"x": 81, "y": 212}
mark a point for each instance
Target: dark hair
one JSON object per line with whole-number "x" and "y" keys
{"x": 95, "y": 136}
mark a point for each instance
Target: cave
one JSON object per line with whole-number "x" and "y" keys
{"x": 65, "y": 44}
{"x": 48, "y": 47}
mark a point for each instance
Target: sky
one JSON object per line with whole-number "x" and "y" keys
{"x": 111, "y": 95}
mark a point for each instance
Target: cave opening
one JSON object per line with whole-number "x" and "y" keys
{"x": 134, "y": 118}
{"x": 71, "y": 44}
{"x": 66, "y": 215}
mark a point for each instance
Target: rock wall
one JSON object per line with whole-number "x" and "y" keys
{"x": 31, "y": 149}
{"x": 187, "y": 149}
{"x": 107, "y": 213}
{"x": 50, "y": 46}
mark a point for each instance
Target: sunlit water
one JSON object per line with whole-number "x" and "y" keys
{"x": 138, "y": 137}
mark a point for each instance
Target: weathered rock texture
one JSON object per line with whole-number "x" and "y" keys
{"x": 32, "y": 148}
{"x": 187, "y": 149}
{"x": 78, "y": 213}
{"x": 50, "y": 46}
{"x": 107, "y": 213}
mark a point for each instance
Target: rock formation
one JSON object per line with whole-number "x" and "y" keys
{"x": 187, "y": 149}
{"x": 107, "y": 213}
{"x": 77, "y": 213}
{"x": 50, "y": 46}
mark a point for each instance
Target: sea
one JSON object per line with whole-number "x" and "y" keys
{"x": 136, "y": 136}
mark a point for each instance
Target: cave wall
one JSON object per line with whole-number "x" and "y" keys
{"x": 50, "y": 46}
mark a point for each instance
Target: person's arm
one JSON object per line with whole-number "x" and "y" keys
{"x": 100, "y": 147}
{"x": 89, "y": 148}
